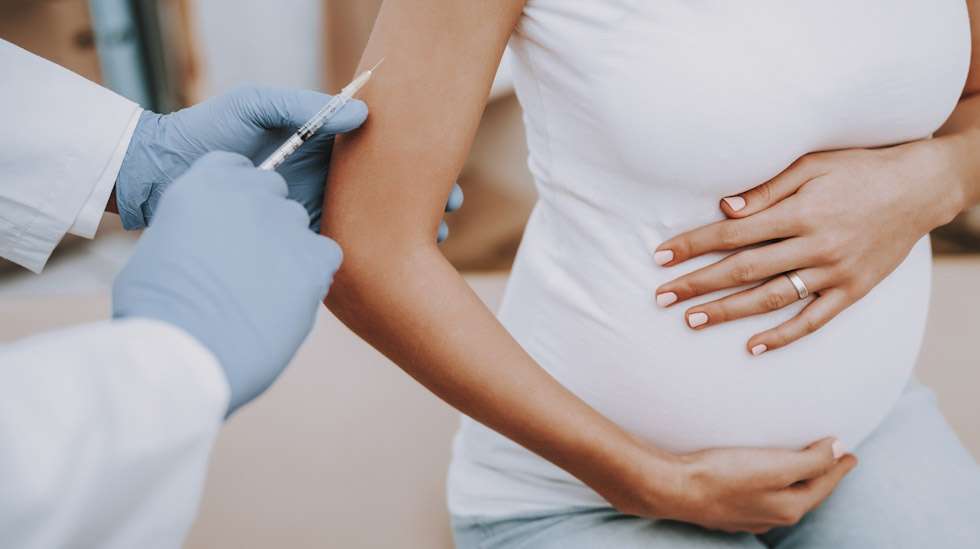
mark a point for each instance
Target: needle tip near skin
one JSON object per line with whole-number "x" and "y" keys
{"x": 378, "y": 64}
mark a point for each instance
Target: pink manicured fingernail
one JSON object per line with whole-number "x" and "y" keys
{"x": 736, "y": 203}
{"x": 838, "y": 448}
{"x": 663, "y": 257}
{"x": 666, "y": 299}
{"x": 697, "y": 319}
{"x": 759, "y": 349}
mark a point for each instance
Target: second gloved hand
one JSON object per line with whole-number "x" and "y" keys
{"x": 246, "y": 283}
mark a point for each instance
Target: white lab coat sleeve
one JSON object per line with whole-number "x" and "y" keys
{"x": 105, "y": 432}
{"x": 63, "y": 143}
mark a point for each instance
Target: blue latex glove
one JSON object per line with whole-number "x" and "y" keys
{"x": 250, "y": 121}
{"x": 246, "y": 283}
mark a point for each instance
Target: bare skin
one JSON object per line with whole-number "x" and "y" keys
{"x": 843, "y": 220}
{"x": 385, "y": 198}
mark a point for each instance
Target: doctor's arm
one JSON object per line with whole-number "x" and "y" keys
{"x": 398, "y": 292}
{"x": 105, "y": 429}
{"x": 101, "y": 420}
{"x": 63, "y": 143}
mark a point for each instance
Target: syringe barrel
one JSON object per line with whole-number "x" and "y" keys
{"x": 308, "y": 130}
{"x": 282, "y": 153}
{"x": 323, "y": 115}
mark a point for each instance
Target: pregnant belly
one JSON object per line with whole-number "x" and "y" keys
{"x": 593, "y": 326}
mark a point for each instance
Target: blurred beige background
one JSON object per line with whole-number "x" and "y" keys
{"x": 347, "y": 451}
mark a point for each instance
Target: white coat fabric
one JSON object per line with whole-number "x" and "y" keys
{"x": 105, "y": 429}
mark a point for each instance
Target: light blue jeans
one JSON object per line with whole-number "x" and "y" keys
{"x": 916, "y": 487}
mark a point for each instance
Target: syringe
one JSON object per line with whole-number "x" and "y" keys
{"x": 309, "y": 129}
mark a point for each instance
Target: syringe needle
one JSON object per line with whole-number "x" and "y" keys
{"x": 376, "y": 65}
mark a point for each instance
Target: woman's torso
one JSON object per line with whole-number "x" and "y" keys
{"x": 642, "y": 115}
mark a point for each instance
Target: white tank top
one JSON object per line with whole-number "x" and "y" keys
{"x": 641, "y": 115}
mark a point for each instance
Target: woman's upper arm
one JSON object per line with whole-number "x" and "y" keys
{"x": 389, "y": 181}
{"x": 973, "y": 81}
{"x": 966, "y": 116}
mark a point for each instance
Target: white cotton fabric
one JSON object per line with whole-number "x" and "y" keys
{"x": 105, "y": 433}
{"x": 641, "y": 116}
{"x": 63, "y": 143}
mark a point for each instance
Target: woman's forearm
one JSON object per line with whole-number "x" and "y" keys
{"x": 385, "y": 196}
{"x": 415, "y": 308}
{"x": 959, "y": 138}
{"x": 949, "y": 164}
{"x": 959, "y": 142}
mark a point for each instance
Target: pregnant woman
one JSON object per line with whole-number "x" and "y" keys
{"x": 597, "y": 415}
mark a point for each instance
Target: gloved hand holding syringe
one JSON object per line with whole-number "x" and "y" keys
{"x": 308, "y": 130}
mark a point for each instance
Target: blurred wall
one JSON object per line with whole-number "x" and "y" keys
{"x": 59, "y": 30}
{"x": 347, "y": 26}
{"x": 257, "y": 41}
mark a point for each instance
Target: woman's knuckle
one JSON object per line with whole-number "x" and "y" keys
{"x": 811, "y": 325}
{"x": 830, "y": 253}
{"x": 853, "y": 263}
{"x": 773, "y": 299}
{"x": 822, "y": 249}
{"x": 743, "y": 272}
{"x": 833, "y": 247}
{"x": 809, "y": 216}
{"x": 842, "y": 272}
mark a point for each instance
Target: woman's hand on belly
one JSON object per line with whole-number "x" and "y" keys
{"x": 753, "y": 490}
{"x": 840, "y": 221}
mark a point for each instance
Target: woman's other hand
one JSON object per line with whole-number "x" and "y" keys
{"x": 843, "y": 221}
{"x": 739, "y": 489}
